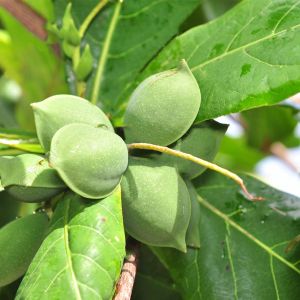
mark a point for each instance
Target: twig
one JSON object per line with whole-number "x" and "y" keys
{"x": 27, "y": 16}
{"x": 125, "y": 284}
{"x": 280, "y": 151}
{"x": 198, "y": 161}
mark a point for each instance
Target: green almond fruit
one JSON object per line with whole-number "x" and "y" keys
{"x": 156, "y": 204}
{"x": 193, "y": 231}
{"x": 90, "y": 160}
{"x": 57, "y": 111}
{"x": 29, "y": 178}
{"x": 19, "y": 241}
{"x": 203, "y": 141}
{"x": 163, "y": 107}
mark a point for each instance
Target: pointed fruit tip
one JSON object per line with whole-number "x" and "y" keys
{"x": 183, "y": 66}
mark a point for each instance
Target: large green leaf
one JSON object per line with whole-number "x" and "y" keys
{"x": 248, "y": 57}
{"x": 82, "y": 256}
{"x": 123, "y": 38}
{"x": 242, "y": 254}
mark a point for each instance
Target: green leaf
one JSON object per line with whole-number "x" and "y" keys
{"x": 126, "y": 36}
{"x": 25, "y": 147}
{"x": 9, "y": 133}
{"x": 8, "y": 208}
{"x": 242, "y": 254}
{"x": 275, "y": 123}
{"x": 248, "y": 57}
{"x": 152, "y": 279}
{"x": 82, "y": 256}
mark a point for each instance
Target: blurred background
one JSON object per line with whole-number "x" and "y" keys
{"x": 263, "y": 141}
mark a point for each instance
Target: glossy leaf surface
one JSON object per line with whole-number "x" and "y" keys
{"x": 248, "y": 57}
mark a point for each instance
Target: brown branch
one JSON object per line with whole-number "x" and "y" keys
{"x": 280, "y": 151}
{"x": 27, "y": 16}
{"x": 126, "y": 281}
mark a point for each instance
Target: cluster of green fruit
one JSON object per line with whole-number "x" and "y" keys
{"x": 84, "y": 153}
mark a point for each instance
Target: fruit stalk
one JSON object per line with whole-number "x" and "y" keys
{"x": 199, "y": 161}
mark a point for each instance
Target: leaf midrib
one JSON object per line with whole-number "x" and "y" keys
{"x": 68, "y": 251}
{"x": 227, "y": 220}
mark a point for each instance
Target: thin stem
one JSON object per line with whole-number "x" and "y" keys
{"x": 82, "y": 30}
{"x": 198, "y": 161}
{"x": 90, "y": 17}
{"x": 85, "y": 25}
{"x": 281, "y": 152}
{"x": 104, "y": 53}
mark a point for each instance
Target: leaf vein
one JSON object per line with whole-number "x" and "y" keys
{"x": 247, "y": 234}
{"x": 55, "y": 277}
{"x": 91, "y": 289}
{"x": 39, "y": 262}
{"x": 231, "y": 261}
{"x": 274, "y": 278}
{"x": 109, "y": 211}
{"x": 68, "y": 250}
{"x": 99, "y": 233}
{"x": 285, "y": 15}
{"x": 142, "y": 10}
{"x": 95, "y": 263}
{"x": 243, "y": 47}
